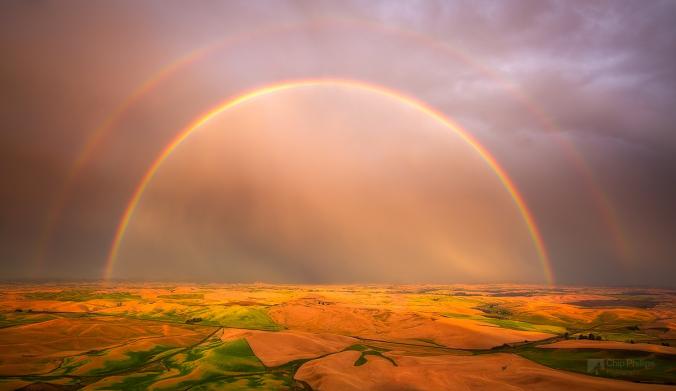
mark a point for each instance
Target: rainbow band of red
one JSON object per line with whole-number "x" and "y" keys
{"x": 230, "y": 103}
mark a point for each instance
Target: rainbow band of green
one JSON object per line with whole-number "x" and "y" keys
{"x": 230, "y": 103}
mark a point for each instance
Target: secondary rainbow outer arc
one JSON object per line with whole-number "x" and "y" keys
{"x": 247, "y": 96}
{"x": 94, "y": 141}
{"x": 599, "y": 197}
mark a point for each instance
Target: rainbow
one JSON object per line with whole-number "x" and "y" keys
{"x": 99, "y": 134}
{"x": 96, "y": 138}
{"x": 599, "y": 198}
{"x": 364, "y": 86}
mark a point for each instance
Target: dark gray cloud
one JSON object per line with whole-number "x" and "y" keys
{"x": 604, "y": 72}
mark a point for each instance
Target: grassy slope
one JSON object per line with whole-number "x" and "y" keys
{"x": 652, "y": 367}
{"x": 80, "y": 296}
{"x": 19, "y": 318}
{"x": 237, "y": 316}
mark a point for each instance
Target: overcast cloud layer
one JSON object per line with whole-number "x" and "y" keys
{"x": 575, "y": 99}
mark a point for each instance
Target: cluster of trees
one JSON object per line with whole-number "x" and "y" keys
{"x": 589, "y": 336}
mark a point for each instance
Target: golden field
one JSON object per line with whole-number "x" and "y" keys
{"x": 126, "y": 336}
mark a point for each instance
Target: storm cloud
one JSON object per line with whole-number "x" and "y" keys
{"x": 574, "y": 99}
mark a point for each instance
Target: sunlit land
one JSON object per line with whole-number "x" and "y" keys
{"x": 338, "y": 196}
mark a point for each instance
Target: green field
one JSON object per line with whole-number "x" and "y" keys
{"x": 80, "y": 295}
{"x": 182, "y": 296}
{"x": 19, "y": 318}
{"x": 236, "y": 316}
{"x": 628, "y": 364}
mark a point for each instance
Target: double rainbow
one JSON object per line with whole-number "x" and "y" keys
{"x": 96, "y": 138}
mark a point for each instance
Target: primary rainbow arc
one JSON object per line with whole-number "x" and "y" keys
{"x": 505, "y": 180}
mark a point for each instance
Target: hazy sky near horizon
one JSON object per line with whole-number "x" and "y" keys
{"x": 574, "y": 99}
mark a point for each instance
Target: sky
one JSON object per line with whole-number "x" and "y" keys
{"x": 331, "y": 184}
